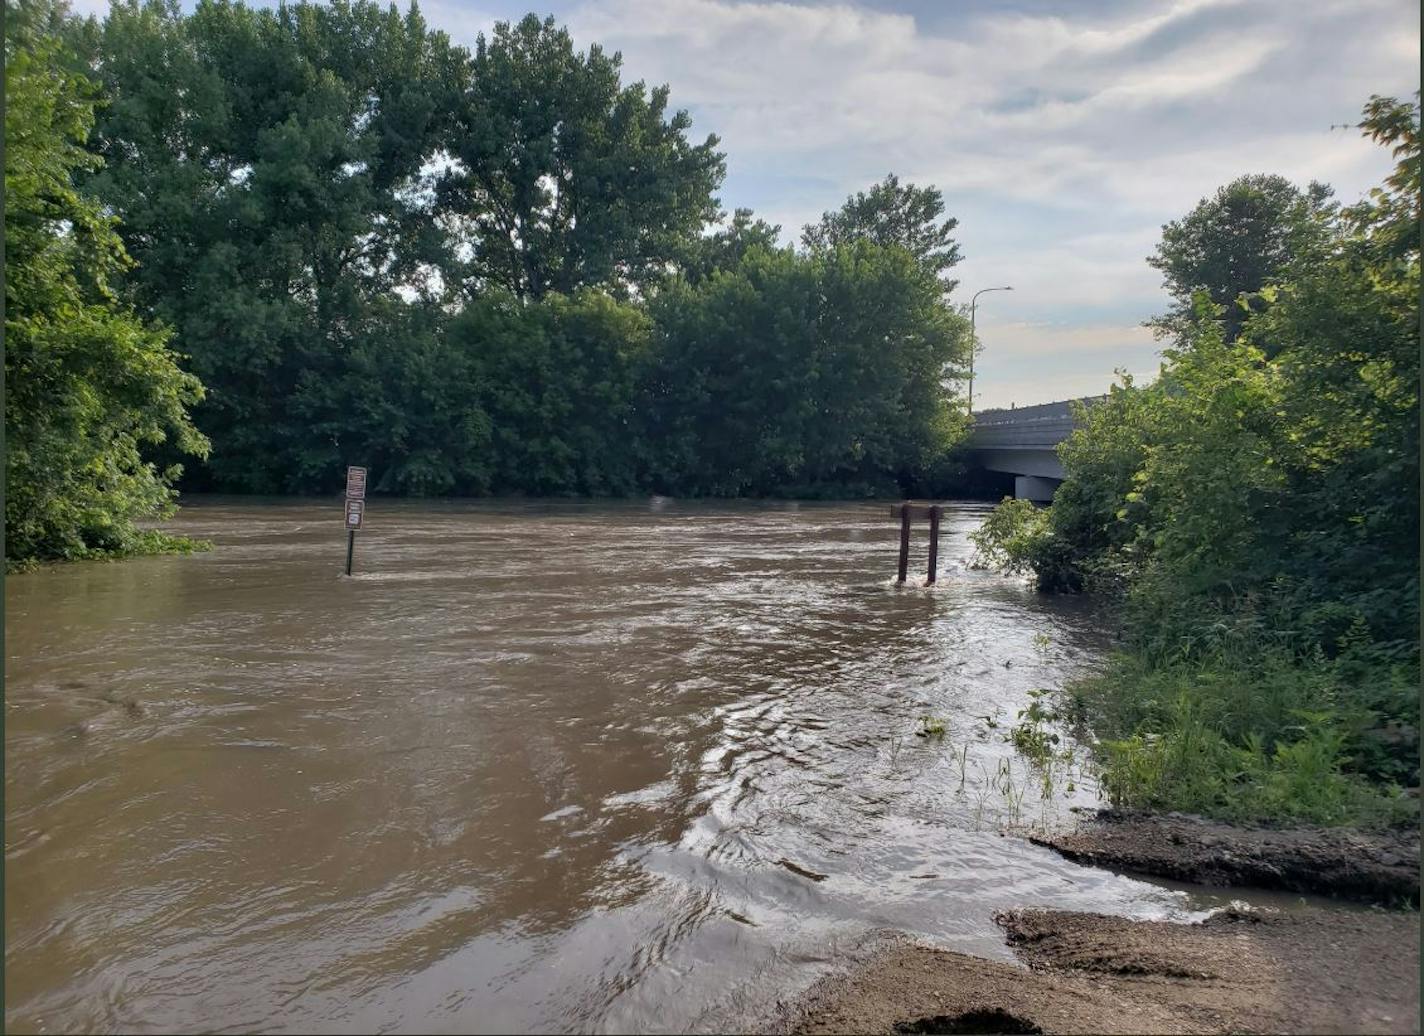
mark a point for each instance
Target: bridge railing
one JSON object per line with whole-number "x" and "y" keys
{"x": 1042, "y": 426}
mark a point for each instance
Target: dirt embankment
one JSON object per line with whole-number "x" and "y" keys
{"x": 1241, "y": 971}
{"x": 1377, "y": 868}
{"x": 1310, "y": 972}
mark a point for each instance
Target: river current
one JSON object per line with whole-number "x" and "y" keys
{"x": 646, "y": 766}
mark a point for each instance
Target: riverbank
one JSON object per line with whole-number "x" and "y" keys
{"x": 1366, "y": 866}
{"x": 1316, "y": 971}
{"x": 1241, "y": 970}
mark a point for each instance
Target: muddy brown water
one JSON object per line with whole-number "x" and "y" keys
{"x": 565, "y": 767}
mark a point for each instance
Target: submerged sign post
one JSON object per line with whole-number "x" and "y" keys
{"x": 355, "y": 509}
{"x": 903, "y": 513}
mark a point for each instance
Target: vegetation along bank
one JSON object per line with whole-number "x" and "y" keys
{"x": 1255, "y": 513}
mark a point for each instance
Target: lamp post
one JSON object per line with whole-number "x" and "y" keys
{"x": 974, "y": 340}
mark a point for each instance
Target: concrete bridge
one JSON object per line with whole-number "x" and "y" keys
{"x": 1023, "y": 442}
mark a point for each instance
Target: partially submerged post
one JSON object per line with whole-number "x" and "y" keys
{"x": 934, "y": 543}
{"x": 904, "y": 541}
{"x": 355, "y": 509}
{"x": 905, "y": 512}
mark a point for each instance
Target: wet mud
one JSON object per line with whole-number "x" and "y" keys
{"x": 1373, "y": 867}
{"x": 1312, "y": 971}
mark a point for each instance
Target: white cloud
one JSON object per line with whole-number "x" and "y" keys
{"x": 1062, "y": 143}
{"x": 1038, "y": 341}
{"x": 461, "y": 21}
{"x": 1056, "y": 38}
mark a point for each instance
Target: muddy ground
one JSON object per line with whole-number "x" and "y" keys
{"x": 1316, "y": 971}
{"x": 1372, "y": 867}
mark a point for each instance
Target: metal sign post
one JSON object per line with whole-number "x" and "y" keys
{"x": 903, "y": 513}
{"x": 355, "y": 509}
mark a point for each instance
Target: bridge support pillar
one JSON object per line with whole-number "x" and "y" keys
{"x": 1035, "y": 487}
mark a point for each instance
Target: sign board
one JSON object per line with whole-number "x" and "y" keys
{"x": 355, "y": 485}
{"x": 355, "y": 511}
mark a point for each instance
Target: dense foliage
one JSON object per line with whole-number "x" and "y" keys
{"x": 809, "y": 374}
{"x": 498, "y": 271}
{"x": 267, "y": 166}
{"x": 90, "y": 385}
{"x": 891, "y": 213}
{"x": 565, "y": 178}
{"x": 1237, "y": 242}
{"x": 1259, "y": 506}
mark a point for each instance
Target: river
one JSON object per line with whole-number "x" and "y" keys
{"x": 571, "y": 766}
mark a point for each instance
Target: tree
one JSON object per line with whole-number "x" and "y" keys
{"x": 891, "y": 214}
{"x": 1281, "y": 467}
{"x": 805, "y": 374}
{"x": 271, "y": 169}
{"x": 405, "y": 403}
{"x": 1259, "y": 505}
{"x": 559, "y": 381}
{"x": 564, "y": 177}
{"x": 724, "y": 248}
{"x": 380, "y": 249}
{"x": 91, "y": 388}
{"x": 1237, "y": 242}
{"x": 1345, "y": 334}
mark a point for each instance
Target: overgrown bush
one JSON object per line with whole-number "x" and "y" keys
{"x": 1011, "y": 538}
{"x": 91, "y": 388}
{"x": 1257, "y": 510}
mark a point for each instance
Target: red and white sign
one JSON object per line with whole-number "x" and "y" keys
{"x": 355, "y": 484}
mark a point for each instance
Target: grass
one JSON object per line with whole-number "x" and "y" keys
{"x": 932, "y": 727}
{"x": 1253, "y": 735}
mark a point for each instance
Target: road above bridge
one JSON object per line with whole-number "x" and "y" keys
{"x": 1023, "y": 442}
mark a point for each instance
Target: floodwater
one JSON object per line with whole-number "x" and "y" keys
{"x": 564, "y": 767}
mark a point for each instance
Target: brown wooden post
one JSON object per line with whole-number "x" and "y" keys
{"x": 934, "y": 543}
{"x": 904, "y": 541}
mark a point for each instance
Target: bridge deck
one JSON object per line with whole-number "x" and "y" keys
{"x": 1025, "y": 428}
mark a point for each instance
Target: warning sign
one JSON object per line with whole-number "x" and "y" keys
{"x": 355, "y": 511}
{"x": 355, "y": 484}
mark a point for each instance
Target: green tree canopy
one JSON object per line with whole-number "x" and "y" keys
{"x": 271, "y": 168}
{"x": 91, "y": 388}
{"x": 800, "y": 373}
{"x": 724, "y": 248}
{"x": 1259, "y": 504}
{"x": 566, "y": 178}
{"x": 1236, "y": 242}
{"x": 378, "y": 248}
{"x": 893, "y": 214}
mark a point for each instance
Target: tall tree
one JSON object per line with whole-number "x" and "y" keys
{"x": 565, "y": 177}
{"x": 893, "y": 214}
{"x": 1259, "y": 502}
{"x": 1236, "y": 242}
{"x": 91, "y": 388}
{"x": 724, "y": 248}
{"x": 803, "y": 373}
{"x": 271, "y": 169}
{"x": 381, "y": 249}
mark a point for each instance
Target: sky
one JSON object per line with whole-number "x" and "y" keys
{"x": 1062, "y": 134}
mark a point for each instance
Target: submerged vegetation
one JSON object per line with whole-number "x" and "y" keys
{"x": 1256, "y": 509}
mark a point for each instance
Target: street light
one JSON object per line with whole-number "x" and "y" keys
{"x": 973, "y": 339}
